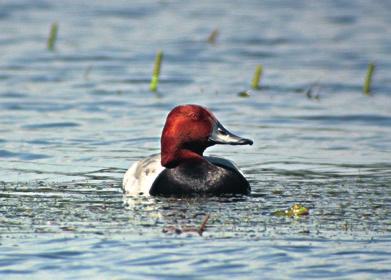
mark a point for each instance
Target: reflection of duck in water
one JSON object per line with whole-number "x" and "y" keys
{"x": 181, "y": 169}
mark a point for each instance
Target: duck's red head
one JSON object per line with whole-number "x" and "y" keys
{"x": 188, "y": 131}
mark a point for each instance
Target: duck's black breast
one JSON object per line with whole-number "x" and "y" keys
{"x": 199, "y": 177}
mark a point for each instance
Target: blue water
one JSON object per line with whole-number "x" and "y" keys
{"x": 73, "y": 120}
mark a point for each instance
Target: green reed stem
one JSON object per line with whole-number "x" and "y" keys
{"x": 257, "y": 77}
{"x": 368, "y": 79}
{"x": 156, "y": 71}
{"x": 52, "y": 36}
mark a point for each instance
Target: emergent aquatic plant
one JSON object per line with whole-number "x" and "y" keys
{"x": 156, "y": 71}
{"x": 257, "y": 77}
{"x": 368, "y": 79}
{"x": 213, "y": 36}
{"x": 52, "y": 36}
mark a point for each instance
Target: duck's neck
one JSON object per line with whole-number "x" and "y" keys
{"x": 173, "y": 157}
{"x": 185, "y": 155}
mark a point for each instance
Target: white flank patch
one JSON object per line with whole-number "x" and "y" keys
{"x": 140, "y": 176}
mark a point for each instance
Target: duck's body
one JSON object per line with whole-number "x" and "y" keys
{"x": 181, "y": 169}
{"x": 213, "y": 176}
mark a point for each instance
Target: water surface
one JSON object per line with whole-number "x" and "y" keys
{"x": 73, "y": 120}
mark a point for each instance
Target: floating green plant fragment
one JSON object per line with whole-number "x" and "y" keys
{"x": 368, "y": 79}
{"x": 213, "y": 36}
{"x": 52, "y": 36}
{"x": 244, "y": 94}
{"x": 257, "y": 77}
{"x": 156, "y": 71}
{"x": 296, "y": 210}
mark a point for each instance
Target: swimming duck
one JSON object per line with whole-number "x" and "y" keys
{"x": 181, "y": 169}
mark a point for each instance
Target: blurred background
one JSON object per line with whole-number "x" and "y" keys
{"x": 76, "y": 110}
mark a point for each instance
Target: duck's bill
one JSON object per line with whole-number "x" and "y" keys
{"x": 220, "y": 135}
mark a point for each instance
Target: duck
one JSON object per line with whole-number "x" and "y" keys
{"x": 181, "y": 169}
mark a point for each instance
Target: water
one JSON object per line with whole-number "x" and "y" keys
{"x": 73, "y": 120}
